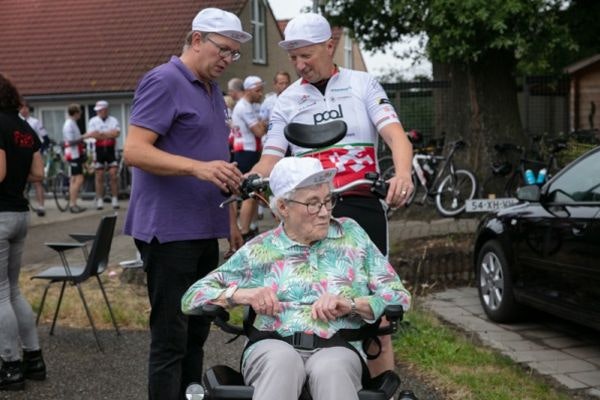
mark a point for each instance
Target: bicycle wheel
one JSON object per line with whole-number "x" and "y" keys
{"x": 454, "y": 191}
{"x": 61, "y": 191}
{"x": 385, "y": 163}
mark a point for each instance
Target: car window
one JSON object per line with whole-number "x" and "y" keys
{"x": 579, "y": 183}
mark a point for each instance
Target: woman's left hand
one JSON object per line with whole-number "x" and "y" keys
{"x": 330, "y": 307}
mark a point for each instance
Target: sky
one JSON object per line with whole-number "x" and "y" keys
{"x": 376, "y": 62}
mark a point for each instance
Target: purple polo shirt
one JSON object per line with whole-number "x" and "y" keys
{"x": 172, "y": 102}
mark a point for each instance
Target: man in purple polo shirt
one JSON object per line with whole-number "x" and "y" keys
{"x": 177, "y": 144}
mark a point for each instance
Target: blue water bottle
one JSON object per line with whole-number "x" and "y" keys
{"x": 541, "y": 178}
{"x": 529, "y": 177}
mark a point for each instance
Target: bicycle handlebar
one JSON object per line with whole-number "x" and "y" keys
{"x": 254, "y": 184}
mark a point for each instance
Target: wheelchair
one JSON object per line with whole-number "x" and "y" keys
{"x": 222, "y": 382}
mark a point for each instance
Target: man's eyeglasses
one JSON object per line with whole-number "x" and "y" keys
{"x": 314, "y": 207}
{"x": 225, "y": 52}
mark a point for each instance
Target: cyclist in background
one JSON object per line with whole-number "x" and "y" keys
{"x": 105, "y": 129}
{"x": 74, "y": 155}
{"x": 326, "y": 92}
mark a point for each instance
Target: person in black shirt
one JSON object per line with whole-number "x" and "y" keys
{"x": 20, "y": 161}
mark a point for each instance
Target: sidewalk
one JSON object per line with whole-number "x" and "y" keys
{"x": 547, "y": 345}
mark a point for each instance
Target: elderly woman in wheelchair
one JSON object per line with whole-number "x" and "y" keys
{"x": 313, "y": 283}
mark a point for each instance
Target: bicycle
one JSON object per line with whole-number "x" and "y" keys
{"x": 55, "y": 179}
{"x": 60, "y": 182}
{"x": 514, "y": 178}
{"x": 437, "y": 180}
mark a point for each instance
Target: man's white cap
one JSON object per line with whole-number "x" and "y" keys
{"x": 305, "y": 30}
{"x": 101, "y": 105}
{"x": 297, "y": 172}
{"x": 221, "y": 22}
{"x": 252, "y": 81}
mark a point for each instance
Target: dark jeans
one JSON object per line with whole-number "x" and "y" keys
{"x": 176, "y": 340}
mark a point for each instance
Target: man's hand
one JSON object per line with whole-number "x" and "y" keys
{"x": 263, "y": 300}
{"x": 223, "y": 174}
{"x": 330, "y": 307}
{"x": 400, "y": 188}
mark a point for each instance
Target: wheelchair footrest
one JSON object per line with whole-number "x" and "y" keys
{"x": 381, "y": 387}
{"x": 223, "y": 382}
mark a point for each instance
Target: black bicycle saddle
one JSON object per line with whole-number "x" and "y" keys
{"x": 315, "y": 136}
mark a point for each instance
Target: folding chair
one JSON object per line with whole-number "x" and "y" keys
{"x": 96, "y": 263}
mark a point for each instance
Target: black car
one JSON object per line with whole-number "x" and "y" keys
{"x": 545, "y": 251}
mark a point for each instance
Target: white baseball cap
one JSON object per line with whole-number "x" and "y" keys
{"x": 101, "y": 105}
{"x": 305, "y": 30}
{"x": 221, "y": 22}
{"x": 252, "y": 81}
{"x": 297, "y": 172}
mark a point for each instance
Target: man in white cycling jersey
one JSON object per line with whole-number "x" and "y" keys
{"x": 326, "y": 92}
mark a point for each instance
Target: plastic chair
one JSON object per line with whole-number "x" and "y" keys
{"x": 96, "y": 263}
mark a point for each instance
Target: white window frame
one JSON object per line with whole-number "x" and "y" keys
{"x": 259, "y": 34}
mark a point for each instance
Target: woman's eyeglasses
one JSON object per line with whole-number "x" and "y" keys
{"x": 314, "y": 207}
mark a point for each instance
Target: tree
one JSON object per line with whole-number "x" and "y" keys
{"x": 477, "y": 45}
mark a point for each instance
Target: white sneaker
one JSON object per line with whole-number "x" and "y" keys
{"x": 99, "y": 204}
{"x": 115, "y": 203}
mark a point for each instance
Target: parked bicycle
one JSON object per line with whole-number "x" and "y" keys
{"x": 437, "y": 180}
{"x": 56, "y": 179}
{"x": 504, "y": 179}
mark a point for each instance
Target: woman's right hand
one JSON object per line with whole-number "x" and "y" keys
{"x": 263, "y": 300}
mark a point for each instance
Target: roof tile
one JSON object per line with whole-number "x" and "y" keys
{"x": 88, "y": 46}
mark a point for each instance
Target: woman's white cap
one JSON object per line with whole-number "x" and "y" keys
{"x": 292, "y": 173}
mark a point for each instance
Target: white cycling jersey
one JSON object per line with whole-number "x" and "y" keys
{"x": 244, "y": 116}
{"x": 353, "y": 96}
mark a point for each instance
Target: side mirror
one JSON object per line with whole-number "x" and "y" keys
{"x": 529, "y": 193}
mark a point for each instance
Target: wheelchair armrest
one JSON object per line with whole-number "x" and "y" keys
{"x": 210, "y": 311}
{"x": 394, "y": 312}
{"x": 82, "y": 237}
{"x": 219, "y": 316}
{"x": 64, "y": 246}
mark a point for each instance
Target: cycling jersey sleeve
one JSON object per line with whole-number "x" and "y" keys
{"x": 380, "y": 109}
{"x": 275, "y": 143}
{"x": 248, "y": 115}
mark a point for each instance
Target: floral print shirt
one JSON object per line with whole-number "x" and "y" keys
{"x": 345, "y": 263}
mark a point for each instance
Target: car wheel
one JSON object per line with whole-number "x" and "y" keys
{"x": 495, "y": 284}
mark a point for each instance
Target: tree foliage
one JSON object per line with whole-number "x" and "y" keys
{"x": 531, "y": 32}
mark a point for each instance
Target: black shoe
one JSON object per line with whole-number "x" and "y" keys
{"x": 11, "y": 376}
{"x": 34, "y": 366}
{"x": 40, "y": 212}
{"x": 76, "y": 209}
{"x": 250, "y": 234}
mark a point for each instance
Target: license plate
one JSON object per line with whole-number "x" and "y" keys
{"x": 489, "y": 205}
